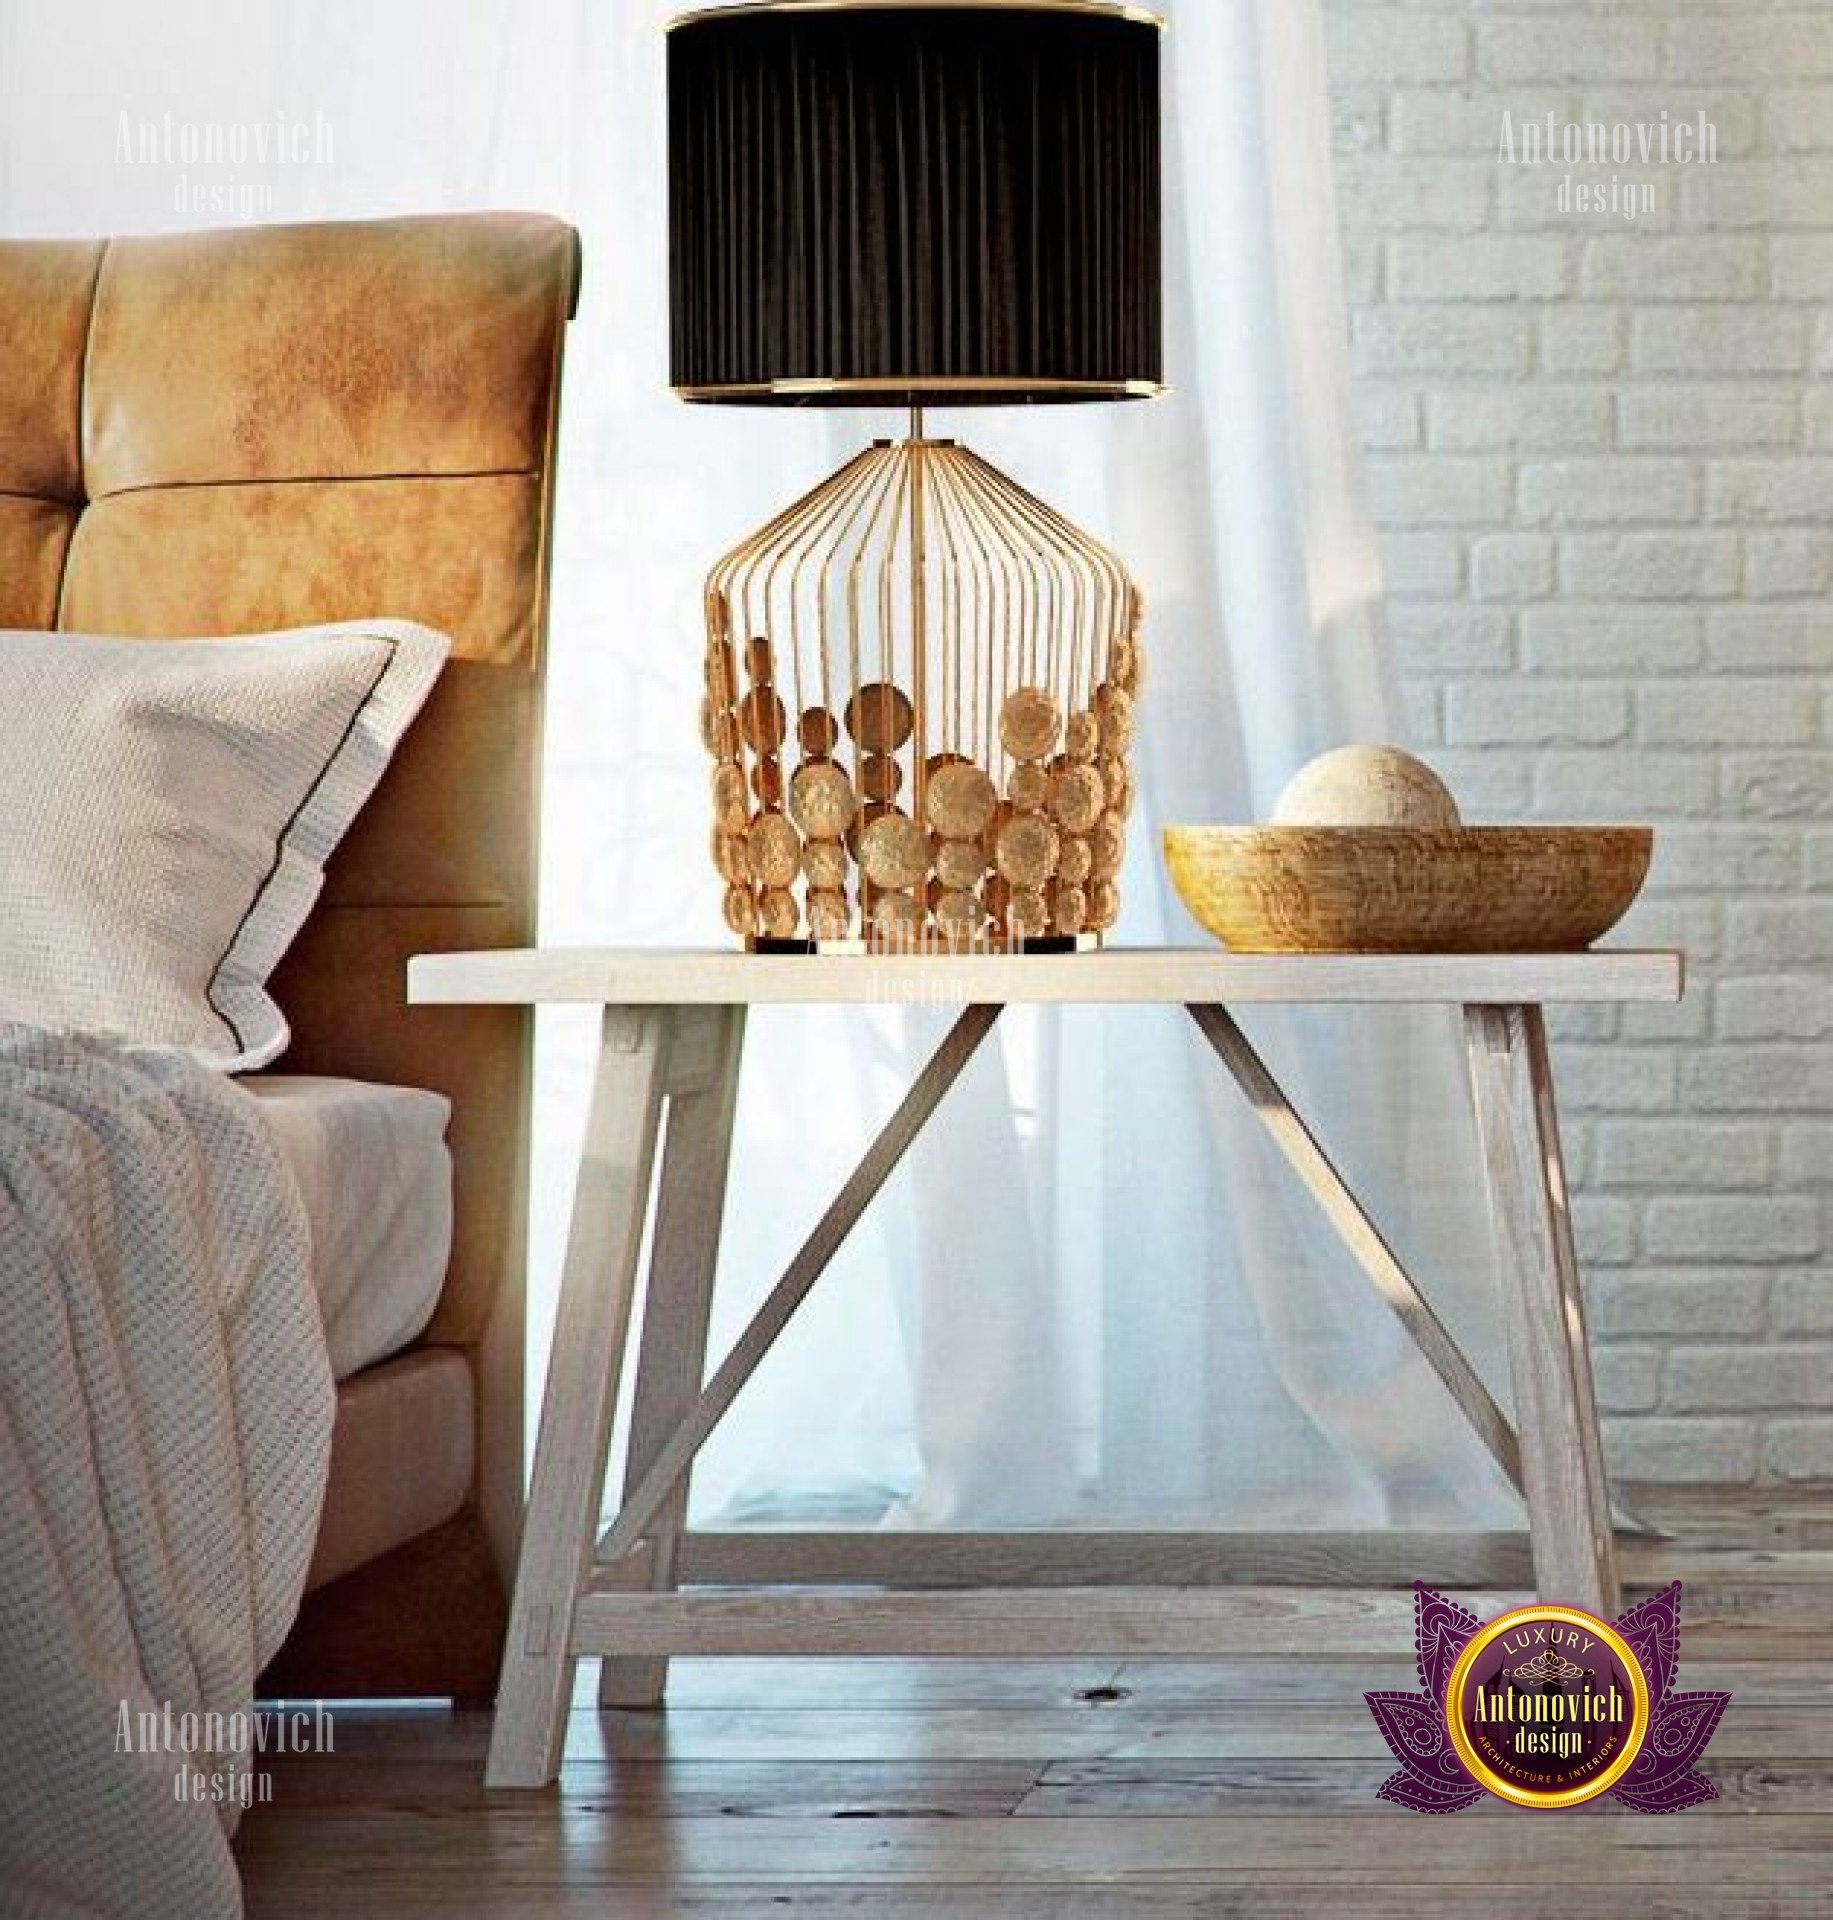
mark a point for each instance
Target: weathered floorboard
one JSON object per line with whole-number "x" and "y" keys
{"x": 1091, "y": 1789}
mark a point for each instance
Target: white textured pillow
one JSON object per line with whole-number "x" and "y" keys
{"x": 166, "y": 811}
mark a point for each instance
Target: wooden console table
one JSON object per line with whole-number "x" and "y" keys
{"x": 673, "y": 1032}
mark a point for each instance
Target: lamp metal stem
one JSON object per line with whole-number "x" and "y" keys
{"x": 919, "y": 613}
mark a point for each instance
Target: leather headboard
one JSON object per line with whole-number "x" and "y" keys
{"x": 262, "y": 427}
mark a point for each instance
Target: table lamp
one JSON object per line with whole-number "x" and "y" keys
{"x": 919, "y": 677}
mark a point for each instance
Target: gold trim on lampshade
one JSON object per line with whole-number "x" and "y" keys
{"x": 938, "y": 389}
{"x": 1141, "y": 16}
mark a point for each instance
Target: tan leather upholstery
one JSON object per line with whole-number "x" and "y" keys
{"x": 400, "y": 1458}
{"x": 47, "y": 288}
{"x": 259, "y": 427}
{"x": 344, "y": 352}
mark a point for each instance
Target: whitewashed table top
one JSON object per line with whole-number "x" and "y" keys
{"x": 656, "y": 976}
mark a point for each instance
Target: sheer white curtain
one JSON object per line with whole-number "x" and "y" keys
{"x": 1092, "y": 1294}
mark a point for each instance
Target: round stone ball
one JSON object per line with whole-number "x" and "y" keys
{"x": 1366, "y": 786}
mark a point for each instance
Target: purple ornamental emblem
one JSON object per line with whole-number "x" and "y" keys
{"x": 1433, "y": 1779}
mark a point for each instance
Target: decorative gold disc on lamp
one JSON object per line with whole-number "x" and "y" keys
{"x": 821, "y": 800}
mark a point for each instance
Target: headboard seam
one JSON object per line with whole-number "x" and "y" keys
{"x": 82, "y": 438}
{"x": 310, "y": 480}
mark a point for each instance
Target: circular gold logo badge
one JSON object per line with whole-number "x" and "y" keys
{"x": 1547, "y": 1706}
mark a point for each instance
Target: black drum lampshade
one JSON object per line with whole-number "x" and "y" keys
{"x": 951, "y": 203}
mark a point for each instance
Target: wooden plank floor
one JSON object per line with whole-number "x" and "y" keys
{"x": 944, "y": 1790}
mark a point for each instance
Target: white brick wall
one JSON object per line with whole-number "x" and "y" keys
{"x": 1603, "y": 467}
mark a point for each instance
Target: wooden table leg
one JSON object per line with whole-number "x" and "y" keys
{"x": 945, "y": 1066}
{"x": 592, "y": 1323}
{"x": 1555, "y": 1404}
{"x": 671, "y": 1358}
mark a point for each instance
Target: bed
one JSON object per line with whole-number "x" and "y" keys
{"x": 264, "y": 428}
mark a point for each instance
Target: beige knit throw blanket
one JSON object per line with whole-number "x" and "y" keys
{"x": 165, "y": 1419}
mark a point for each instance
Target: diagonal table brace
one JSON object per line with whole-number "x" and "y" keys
{"x": 1360, "y": 1235}
{"x": 1271, "y": 1106}
{"x": 944, "y": 1068}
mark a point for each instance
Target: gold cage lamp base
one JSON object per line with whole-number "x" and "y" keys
{"x": 919, "y": 707}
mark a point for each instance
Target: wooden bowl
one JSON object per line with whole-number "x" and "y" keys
{"x": 1408, "y": 889}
